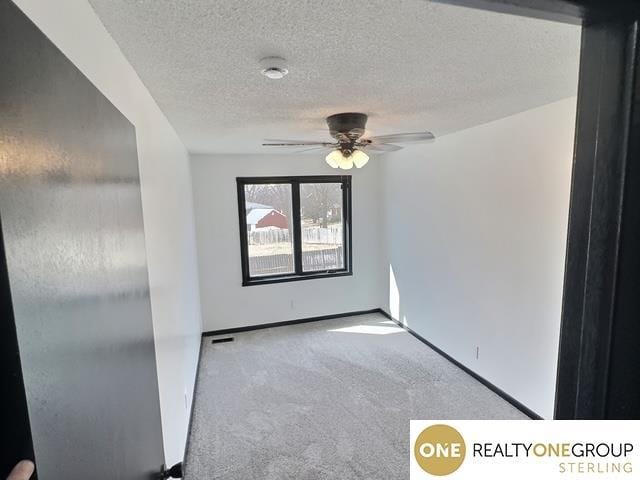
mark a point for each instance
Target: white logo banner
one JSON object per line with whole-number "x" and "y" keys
{"x": 525, "y": 449}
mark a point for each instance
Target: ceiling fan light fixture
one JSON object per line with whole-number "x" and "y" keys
{"x": 359, "y": 158}
{"x": 350, "y": 146}
{"x": 347, "y": 159}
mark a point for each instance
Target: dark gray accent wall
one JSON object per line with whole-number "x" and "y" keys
{"x": 74, "y": 243}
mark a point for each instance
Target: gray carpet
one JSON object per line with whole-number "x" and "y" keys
{"x": 323, "y": 400}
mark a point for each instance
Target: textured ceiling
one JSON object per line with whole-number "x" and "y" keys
{"x": 410, "y": 64}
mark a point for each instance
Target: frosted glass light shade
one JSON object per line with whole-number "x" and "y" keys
{"x": 359, "y": 158}
{"x": 334, "y": 158}
{"x": 346, "y": 163}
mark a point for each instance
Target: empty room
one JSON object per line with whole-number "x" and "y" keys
{"x": 318, "y": 240}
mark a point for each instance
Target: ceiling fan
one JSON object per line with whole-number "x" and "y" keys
{"x": 350, "y": 147}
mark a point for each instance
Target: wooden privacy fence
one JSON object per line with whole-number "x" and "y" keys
{"x": 326, "y": 259}
{"x": 315, "y": 260}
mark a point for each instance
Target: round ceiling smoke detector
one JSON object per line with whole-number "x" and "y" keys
{"x": 274, "y": 67}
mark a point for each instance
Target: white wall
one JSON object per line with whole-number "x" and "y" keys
{"x": 166, "y": 199}
{"x": 225, "y": 302}
{"x": 475, "y": 232}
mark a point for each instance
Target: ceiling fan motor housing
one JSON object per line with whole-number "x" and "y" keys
{"x": 346, "y": 127}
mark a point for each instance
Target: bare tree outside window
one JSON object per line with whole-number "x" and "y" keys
{"x": 276, "y": 195}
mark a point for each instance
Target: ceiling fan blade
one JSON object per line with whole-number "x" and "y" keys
{"x": 401, "y": 138}
{"x": 298, "y": 145}
{"x": 381, "y": 147}
{"x": 294, "y": 142}
{"x": 315, "y": 150}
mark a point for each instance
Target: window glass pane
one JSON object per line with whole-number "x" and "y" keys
{"x": 269, "y": 229}
{"x": 322, "y": 226}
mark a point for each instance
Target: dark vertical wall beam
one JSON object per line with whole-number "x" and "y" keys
{"x": 607, "y": 66}
{"x": 15, "y": 442}
{"x": 73, "y": 235}
{"x": 623, "y": 395}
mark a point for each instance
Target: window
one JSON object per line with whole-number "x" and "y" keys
{"x": 294, "y": 228}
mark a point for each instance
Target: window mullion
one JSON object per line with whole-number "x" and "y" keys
{"x": 346, "y": 224}
{"x": 297, "y": 226}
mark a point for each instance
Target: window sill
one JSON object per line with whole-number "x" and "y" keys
{"x": 294, "y": 278}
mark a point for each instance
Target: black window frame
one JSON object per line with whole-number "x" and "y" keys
{"x": 296, "y": 223}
